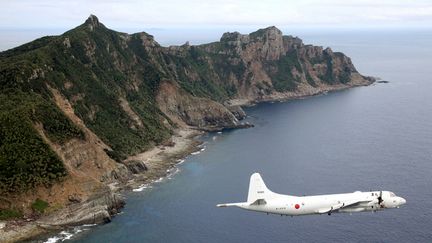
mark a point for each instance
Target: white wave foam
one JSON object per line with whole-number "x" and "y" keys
{"x": 88, "y": 225}
{"x": 141, "y": 188}
{"x": 52, "y": 239}
{"x": 68, "y": 234}
{"x": 173, "y": 172}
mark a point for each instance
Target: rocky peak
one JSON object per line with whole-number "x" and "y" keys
{"x": 230, "y": 36}
{"x": 271, "y": 40}
{"x": 270, "y": 33}
{"x": 92, "y": 22}
{"x": 147, "y": 40}
{"x": 328, "y": 50}
{"x": 236, "y": 41}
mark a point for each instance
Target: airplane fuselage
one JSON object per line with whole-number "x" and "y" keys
{"x": 261, "y": 199}
{"x": 292, "y": 205}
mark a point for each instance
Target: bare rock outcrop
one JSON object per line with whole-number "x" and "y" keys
{"x": 136, "y": 166}
{"x": 198, "y": 112}
{"x": 96, "y": 209}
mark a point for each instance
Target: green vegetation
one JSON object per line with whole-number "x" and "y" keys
{"x": 345, "y": 76}
{"x": 39, "y": 206}
{"x": 328, "y": 77}
{"x": 309, "y": 79}
{"x": 282, "y": 77}
{"x": 6, "y": 214}
{"x": 25, "y": 159}
{"x": 211, "y": 82}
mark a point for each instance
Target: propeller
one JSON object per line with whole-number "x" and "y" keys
{"x": 380, "y": 200}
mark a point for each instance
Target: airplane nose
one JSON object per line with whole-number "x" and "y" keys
{"x": 402, "y": 201}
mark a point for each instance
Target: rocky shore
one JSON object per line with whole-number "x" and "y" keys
{"x": 107, "y": 202}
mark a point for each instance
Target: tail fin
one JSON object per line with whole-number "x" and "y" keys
{"x": 258, "y": 191}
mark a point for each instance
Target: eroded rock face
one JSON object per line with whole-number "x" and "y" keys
{"x": 96, "y": 209}
{"x": 238, "y": 112}
{"x": 136, "y": 166}
{"x": 93, "y": 22}
{"x": 193, "y": 111}
{"x": 265, "y": 44}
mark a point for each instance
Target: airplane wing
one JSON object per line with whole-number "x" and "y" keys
{"x": 341, "y": 205}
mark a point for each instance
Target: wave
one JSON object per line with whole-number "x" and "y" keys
{"x": 69, "y": 234}
{"x": 141, "y": 188}
{"x": 203, "y": 148}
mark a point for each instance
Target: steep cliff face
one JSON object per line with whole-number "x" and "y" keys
{"x": 262, "y": 65}
{"x": 189, "y": 110}
{"x": 80, "y": 103}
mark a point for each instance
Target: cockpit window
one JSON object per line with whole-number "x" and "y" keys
{"x": 392, "y": 194}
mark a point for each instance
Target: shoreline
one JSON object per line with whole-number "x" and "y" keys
{"x": 304, "y": 92}
{"x": 159, "y": 161}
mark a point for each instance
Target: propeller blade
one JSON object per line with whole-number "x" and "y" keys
{"x": 380, "y": 200}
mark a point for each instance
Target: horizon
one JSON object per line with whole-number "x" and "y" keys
{"x": 24, "y": 21}
{"x": 153, "y": 13}
{"x": 195, "y": 35}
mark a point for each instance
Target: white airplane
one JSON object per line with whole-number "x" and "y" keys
{"x": 261, "y": 199}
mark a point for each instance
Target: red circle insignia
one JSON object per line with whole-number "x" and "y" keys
{"x": 297, "y": 206}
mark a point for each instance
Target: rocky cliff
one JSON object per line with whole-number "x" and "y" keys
{"x": 75, "y": 106}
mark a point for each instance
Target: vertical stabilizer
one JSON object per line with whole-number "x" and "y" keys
{"x": 257, "y": 189}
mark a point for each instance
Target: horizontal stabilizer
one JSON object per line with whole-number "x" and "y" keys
{"x": 231, "y": 205}
{"x": 259, "y": 202}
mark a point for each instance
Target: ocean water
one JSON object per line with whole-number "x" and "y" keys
{"x": 368, "y": 138}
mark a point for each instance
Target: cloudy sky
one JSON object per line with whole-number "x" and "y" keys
{"x": 27, "y": 14}
{"x": 173, "y": 22}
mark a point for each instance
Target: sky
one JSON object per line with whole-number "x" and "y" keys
{"x": 24, "y": 20}
{"x": 28, "y": 14}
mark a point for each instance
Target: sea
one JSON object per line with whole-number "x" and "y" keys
{"x": 377, "y": 137}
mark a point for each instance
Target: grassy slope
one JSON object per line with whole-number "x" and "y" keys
{"x": 25, "y": 159}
